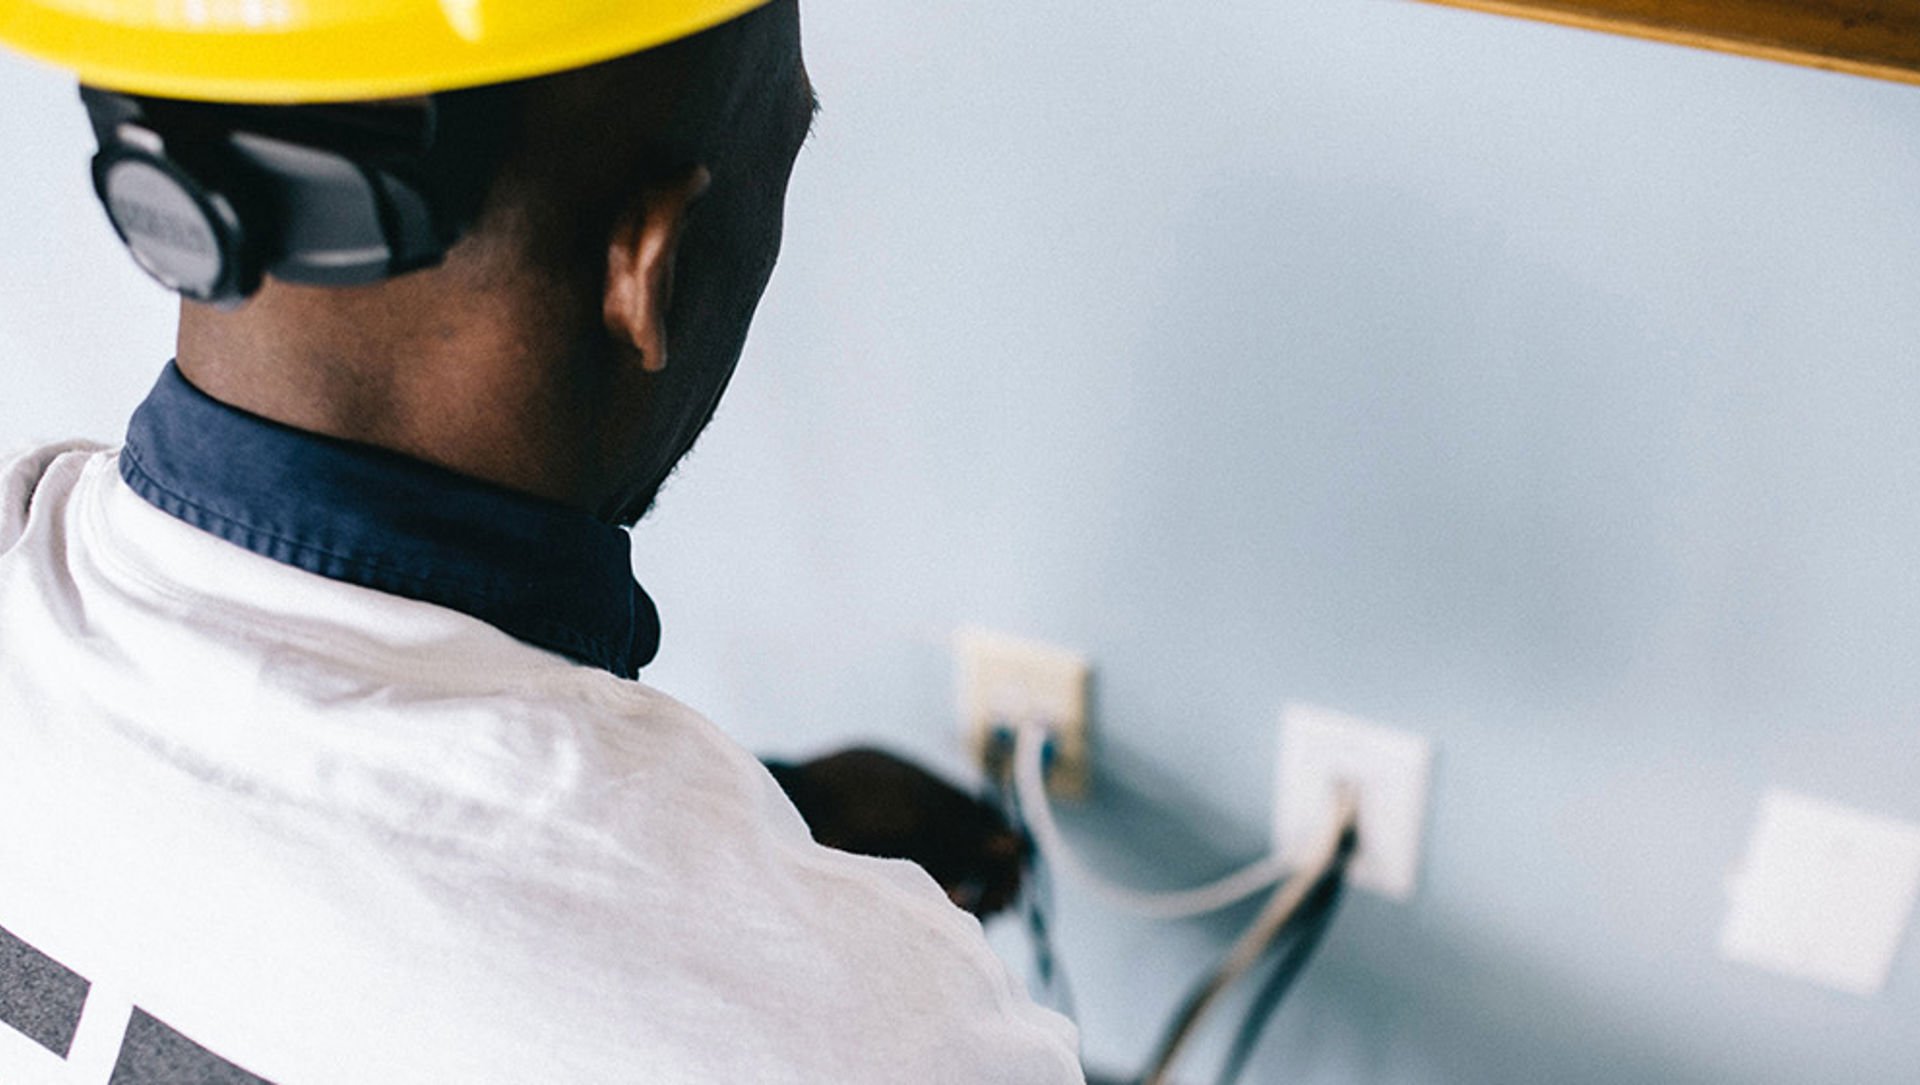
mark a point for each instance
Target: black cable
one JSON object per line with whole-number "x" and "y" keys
{"x": 1293, "y": 961}
{"x": 1051, "y": 972}
{"x": 1051, "y": 987}
{"x": 1291, "y": 946}
{"x": 1314, "y": 906}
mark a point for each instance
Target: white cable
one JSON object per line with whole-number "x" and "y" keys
{"x": 1280, "y": 912}
{"x": 1030, "y": 785}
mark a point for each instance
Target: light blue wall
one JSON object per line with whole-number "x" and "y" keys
{"x": 82, "y": 331}
{"x": 1546, "y": 393}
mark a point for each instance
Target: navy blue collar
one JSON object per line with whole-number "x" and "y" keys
{"x": 545, "y": 573}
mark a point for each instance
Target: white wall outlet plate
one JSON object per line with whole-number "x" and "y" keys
{"x": 1321, "y": 750}
{"x": 1825, "y": 893}
{"x": 1005, "y": 681}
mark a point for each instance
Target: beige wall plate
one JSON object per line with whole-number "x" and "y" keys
{"x": 1004, "y": 681}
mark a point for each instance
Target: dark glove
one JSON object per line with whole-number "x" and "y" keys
{"x": 870, "y": 802}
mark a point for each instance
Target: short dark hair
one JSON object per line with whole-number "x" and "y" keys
{"x": 570, "y": 147}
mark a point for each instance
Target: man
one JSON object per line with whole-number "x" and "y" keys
{"x": 320, "y": 760}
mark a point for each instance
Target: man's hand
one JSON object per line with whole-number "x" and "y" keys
{"x": 870, "y": 802}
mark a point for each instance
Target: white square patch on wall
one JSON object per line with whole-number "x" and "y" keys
{"x": 1321, "y": 751}
{"x": 1825, "y": 893}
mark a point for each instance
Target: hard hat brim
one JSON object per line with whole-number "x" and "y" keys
{"x": 288, "y": 51}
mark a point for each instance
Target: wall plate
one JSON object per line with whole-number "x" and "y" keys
{"x": 1321, "y": 750}
{"x": 1005, "y": 681}
{"x": 1825, "y": 893}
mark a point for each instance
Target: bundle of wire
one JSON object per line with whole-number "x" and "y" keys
{"x": 1284, "y": 935}
{"x": 1049, "y": 984}
{"x": 1287, "y": 931}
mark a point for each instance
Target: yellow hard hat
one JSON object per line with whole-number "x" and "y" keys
{"x": 283, "y": 51}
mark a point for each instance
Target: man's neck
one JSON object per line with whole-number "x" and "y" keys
{"x": 452, "y": 380}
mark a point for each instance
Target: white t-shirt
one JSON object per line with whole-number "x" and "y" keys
{"x": 273, "y": 826}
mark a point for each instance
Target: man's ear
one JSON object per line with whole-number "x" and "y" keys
{"x": 640, "y": 259}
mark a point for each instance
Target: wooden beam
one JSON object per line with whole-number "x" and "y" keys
{"x": 1879, "y": 38}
